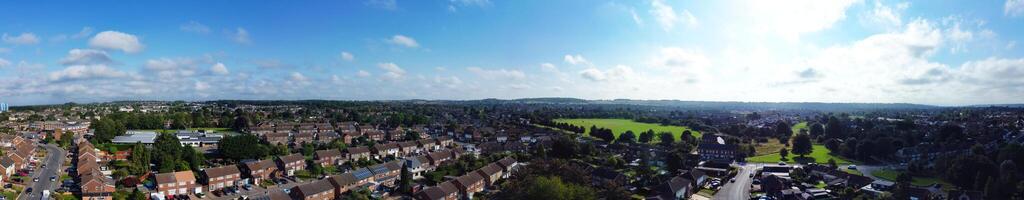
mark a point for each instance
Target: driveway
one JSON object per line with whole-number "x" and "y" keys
{"x": 54, "y": 161}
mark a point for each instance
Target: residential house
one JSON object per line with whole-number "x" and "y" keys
{"x": 676, "y": 188}
{"x": 469, "y": 184}
{"x": 316, "y": 190}
{"x": 330, "y": 157}
{"x": 443, "y": 191}
{"x": 260, "y": 170}
{"x": 357, "y": 153}
{"x": 491, "y": 173}
{"x": 304, "y": 137}
{"x": 428, "y": 144}
{"x": 374, "y": 134}
{"x": 386, "y": 173}
{"x": 276, "y": 138}
{"x": 407, "y": 148}
{"x": 386, "y": 149}
{"x": 603, "y": 175}
{"x": 176, "y": 183}
{"x": 714, "y": 148}
{"x": 220, "y": 177}
{"x": 508, "y": 165}
{"x": 291, "y": 163}
{"x": 327, "y": 137}
{"x": 97, "y": 187}
{"x": 437, "y": 158}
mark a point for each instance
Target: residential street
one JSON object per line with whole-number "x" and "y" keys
{"x": 53, "y": 161}
{"x": 739, "y": 189}
{"x": 257, "y": 191}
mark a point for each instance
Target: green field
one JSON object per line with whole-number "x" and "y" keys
{"x": 620, "y": 126}
{"x": 890, "y": 175}
{"x": 799, "y": 126}
{"x": 819, "y": 154}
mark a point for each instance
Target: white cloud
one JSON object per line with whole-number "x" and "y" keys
{"x": 676, "y": 57}
{"x": 116, "y": 41}
{"x": 575, "y": 59}
{"x": 194, "y": 27}
{"x": 391, "y": 71}
{"x": 85, "y": 32}
{"x": 405, "y": 41}
{"x": 449, "y": 82}
{"x": 298, "y": 77}
{"x": 201, "y": 86}
{"x": 86, "y": 57}
{"x": 23, "y": 39}
{"x": 791, "y": 18}
{"x": 994, "y": 73}
{"x": 548, "y": 67}
{"x": 347, "y": 56}
{"x": 363, "y": 73}
{"x": 241, "y": 36}
{"x": 453, "y": 7}
{"x": 617, "y": 73}
{"x": 664, "y": 14}
{"x": 4, "y": 62}
{"x": 884, "y": 16}
{"x": 1013, "y": 8}
{"x": 85, "y": 72}
{"x": 219, "y": 69}
{"x": 497, "y": 73}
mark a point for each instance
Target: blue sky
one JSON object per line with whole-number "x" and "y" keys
{"x": 932, "y": 52}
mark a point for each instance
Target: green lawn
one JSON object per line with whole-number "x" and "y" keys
{"x": 771, "y": 147}
{"x": 619, "y": 126}
{"x": 799, "y": 126}
{"x": 819, "y": 154}
{"x": 890, "y": 175}
{"x": 852, "y": 171}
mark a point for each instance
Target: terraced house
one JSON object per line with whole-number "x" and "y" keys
{"x": 330, "y": 157}
{"x": 291, "y": 163}
{"x": 220, "y": 177}
{"x": 316, "y": 190}
{"x": 258, "y": 171}
{"x": 176, "y": 183}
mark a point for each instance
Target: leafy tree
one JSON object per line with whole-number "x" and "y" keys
{"x": 817, "y": 130}
{"x": 552, "y": 188}
{"x": 137, "y": 195}
{"x": 139, "y": 160}
{"x": 783, "y": 153}
{"x": 308, "y": 149}
{"x": 627, "y": 137}
{"x": 405, "y": 181}
{"x": 833, "y": 128}
{"x": 802, "y": 145}
{"x": 782, "y": 129}
{"x": 241, "y": 147}
{"x": 646, "y": 136}
{"x": 666, "y": 138}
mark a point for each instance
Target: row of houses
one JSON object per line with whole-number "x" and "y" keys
{"x": 19, "y": 154}
{"x": 93, "y": 179}
{"x": 463, "y": 187}
{"x": 333, "y": 157}
{"x": 290, "y": 133}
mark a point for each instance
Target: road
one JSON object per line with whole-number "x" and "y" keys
{"x": 54, "y": 161}
{"x": 257, "y": 191}
{"x": 739, "y": 189}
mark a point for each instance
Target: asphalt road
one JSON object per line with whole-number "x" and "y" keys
{"x": 739, "y": 189}
{"x": 54, "y": 159}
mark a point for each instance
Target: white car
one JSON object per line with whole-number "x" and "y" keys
{"x": 851, "y": 167}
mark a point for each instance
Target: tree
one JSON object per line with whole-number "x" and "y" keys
{"x": 308, "y": 149}
{"x": 646, "y": 136}
{"x": 817, "y": 130}
{"x": 405, "y": 184}
{"x": 666, "y": 138}
{"x": 833, "y": 128}
{"x": 802, "y": 145}
{"x": 137, "y": 195}
{"x": 627, "y": 137}
{"x": 552, "y": 188}
{"x": 832, "y": 163}
{"x": 783, "y": 130}
{"x": 139, "y": 160}
{"x": 784, "y": 152}
{"x": 241, "y": 147}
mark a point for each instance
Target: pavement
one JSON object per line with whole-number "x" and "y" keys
{"x": 54, "y": 160}
{"x": 739, "y": 189}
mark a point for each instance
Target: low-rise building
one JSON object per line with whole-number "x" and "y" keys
{"x": 316, "y": 190}
{"x": 469, "y": 184}
{"x": 220, "y": 177}
{"x": 260, "y": 170}
{"x": 443, "y": 191}
{"x": 291, "y": 163}
{"x": 330, "y": 157}
{"x": 176, "y": 183}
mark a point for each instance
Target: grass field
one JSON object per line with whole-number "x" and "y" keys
{"x": 819, "y": 154}
{"x": 799, "y": 126}
{"x": 890, "y": 175}
{"x": 620, "y": 126}
{"x": 771, "y": 147}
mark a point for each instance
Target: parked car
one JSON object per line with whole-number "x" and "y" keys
{"x": 35, "y": 180}
{"x": 782, "y": 163}
{"x": 851, "y": 167}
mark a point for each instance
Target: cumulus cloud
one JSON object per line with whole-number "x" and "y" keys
{"x": 363, "y": 73}
{"x": 391, "y": 71}
{"x": 219, "y": 69}
{"x": 85, "y": 32}
{"x": 194, "y": 27}
{"x": 298, "y": 77}
{"x": 404, "y": 41}
{"x": 347, "y": 56}
{"x": 86, "y": 72}
{"x": 884, "y": 16}
{"x": 619, "y": 72}
{"x": 667, "y": 17}
{"x": 1014, "y": 8}
{"x": 116, "y": 41}
{"x": 86, "y": 57}
{"x": 497, "y": 73}
{"x": 575, "y": 59}
{"x": 241, "y": 36}
{"x": 23, "y": 39}
{"x": 791, "y": 18}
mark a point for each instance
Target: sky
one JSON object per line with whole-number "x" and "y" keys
{"x": 948, "y": 52}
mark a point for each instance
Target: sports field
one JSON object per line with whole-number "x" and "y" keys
{"x": 620, "y": 126}
{"x": 799, "y": 126}
{"x": 819, "y": 154}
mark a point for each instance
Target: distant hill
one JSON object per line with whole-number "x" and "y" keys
{"x": 715, "y": 104}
